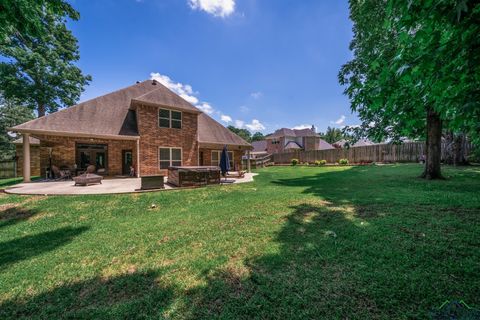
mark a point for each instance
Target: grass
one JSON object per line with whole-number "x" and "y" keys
{"x": 371, "y": 242}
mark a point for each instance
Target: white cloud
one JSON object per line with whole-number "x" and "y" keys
{"x": 244, "y": 109}
{"x": 340, "y": 120}
{"x": 226, "y": 118}
{"x": 256, "y": 95}
{"x": 205, "y": 107}
{"x": 239, "y": 123}
{"x": 302, "y": 126}
{"x": 183, "y": 90}
{"x": 217, "y": 8}
{"x": 255, "y": 125}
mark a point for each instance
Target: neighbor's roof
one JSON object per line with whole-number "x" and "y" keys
{"x": 324, "y": 145}
{"x": 360, "y": 143}
{"x": 292, "y": 145}
{"x": 107, "y": 115}
{"x": 259, "y": 146}
{"x": 210, "y": 131}
{"x": 285, "y": 132}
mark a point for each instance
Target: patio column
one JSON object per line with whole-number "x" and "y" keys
{"x": 248, "y": 162}
{"x": 26, "y": 157}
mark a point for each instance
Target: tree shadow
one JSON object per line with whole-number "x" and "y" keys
{"x": 344, "y": 253}
{"x": 307, "y": 278}
{"x": 129, "y": 296}
{"x": 29, "y": 246}
{"x": 15, "y": 214}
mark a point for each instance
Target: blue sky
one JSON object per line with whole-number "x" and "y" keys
{"x": 258, "y": 64}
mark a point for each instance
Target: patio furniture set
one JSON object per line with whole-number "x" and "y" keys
{"x": 84, "y": 178}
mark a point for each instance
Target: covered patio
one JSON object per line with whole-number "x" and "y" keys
{"x": 108, "y": 186}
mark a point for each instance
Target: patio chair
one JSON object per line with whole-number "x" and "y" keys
{"x": 61, "y": 174}
{"x": 91, "y": 169}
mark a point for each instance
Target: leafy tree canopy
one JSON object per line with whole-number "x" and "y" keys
{"x": 39, "y": 69}
{"x": 414, "y": 61}
{"x": 257, "y": 136}
{"x": 333, "y": 135}
{"x": 11, "y": 114}
{"x": 243, "y": 133}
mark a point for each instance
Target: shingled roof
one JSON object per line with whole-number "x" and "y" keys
{"x": 285, "y": 132}
{"x": 210, "y": 131}
{"x": 113, "y": 116}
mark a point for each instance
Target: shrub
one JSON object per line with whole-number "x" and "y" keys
{"x": 343, "y": 162}
{"x": 294, "y": 162}
{"x": 320, "y": 162}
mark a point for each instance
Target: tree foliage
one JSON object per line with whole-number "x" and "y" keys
{"x": 39, "y": 70}
{"x": 11, "y": 114}
{"x": 414, "y": 59}
{"x": 257, "y": 136}
{"x": 333, "y": 135}
{"x": 243, "y": 133}
{"x": 25, "y": 18}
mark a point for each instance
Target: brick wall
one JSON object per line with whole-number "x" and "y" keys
{"x": 152, "y": 137}
{"x": 311, "y": 143}
{"x": 277, "y": 147}
{"x": 64, "y": 152}
{"x": 237, "y": 157}
{"x": 34, "y": 160}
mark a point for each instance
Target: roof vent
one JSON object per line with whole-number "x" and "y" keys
{"x": 137, "y": 82}
{"x": 154, "y": 82}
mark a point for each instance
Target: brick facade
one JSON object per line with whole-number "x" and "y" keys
{"x": 237, "y": 157}
{"x": 276, "y": 147}
{"x": 64, "y": 152}
{"x": 152, "y": 137}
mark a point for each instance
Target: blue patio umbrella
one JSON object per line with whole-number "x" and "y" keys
{"x": 224, "y": 162}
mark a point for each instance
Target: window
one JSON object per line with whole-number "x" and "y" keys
{"x": 169, "y": 119}
{"x": 170, "y": 157}
{"x": 217, "y": 154}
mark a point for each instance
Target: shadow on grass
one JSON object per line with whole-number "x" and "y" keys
{"x": 336, "y": 256}
{"x": 130, "y": 296}
{"x": 29, "y": 246}
{"x": 15, "y": 214}
{"x": 356, "y": 250}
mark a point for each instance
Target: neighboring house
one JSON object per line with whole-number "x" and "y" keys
{"x": 292, "y": 139}
{"x": 145, "y": 126}
{"x": 360, "y": 143}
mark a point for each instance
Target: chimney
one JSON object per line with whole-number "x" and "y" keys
{"x": 314, "y": 129}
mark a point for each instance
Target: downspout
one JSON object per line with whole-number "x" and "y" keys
{"x": 138, "y": 158}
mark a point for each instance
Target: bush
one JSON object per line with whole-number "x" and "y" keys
{"x": 320, "y": 162}
{"x": 294, "y": 162}
{"x": 343, "y": 162}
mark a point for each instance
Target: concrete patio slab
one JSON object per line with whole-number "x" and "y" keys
{"x": 108, "y": 186}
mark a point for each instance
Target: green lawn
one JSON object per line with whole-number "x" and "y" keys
{"x": 299, "y": 242}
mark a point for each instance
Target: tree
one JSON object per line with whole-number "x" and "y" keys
{"x": 39, "y": 71}
{"x": 243, "y": 133}
{"x": 257, "y": 136}
{"x": 26, "y": 18}
{"x": 332, "y": 135}
{"x": 11, "y": 114}
{"x": 415, "y": 71}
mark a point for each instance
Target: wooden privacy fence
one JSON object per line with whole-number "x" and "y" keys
{"x": 7, "y": 168}
{"x": 406, "y": 152}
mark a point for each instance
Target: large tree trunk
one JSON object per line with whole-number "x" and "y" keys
{"x": 434, "y": 146}
{"x": 41, "y": 110}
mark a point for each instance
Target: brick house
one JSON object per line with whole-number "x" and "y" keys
{"x": 145, "y": 126}
{"x": 284, "y": 140}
